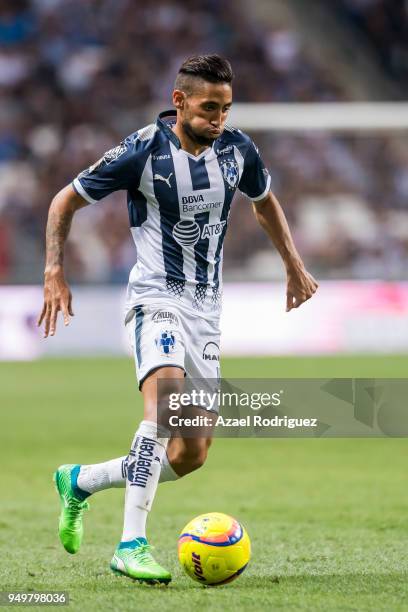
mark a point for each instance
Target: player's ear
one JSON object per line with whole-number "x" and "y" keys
{"x": 178, "y": 99}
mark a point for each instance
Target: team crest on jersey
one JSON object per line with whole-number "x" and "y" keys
{"x": 109, "y": 156}
{"x": 230, "y": 173}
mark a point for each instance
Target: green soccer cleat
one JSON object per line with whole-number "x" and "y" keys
{"x": 72, "y": 507}
{"x": 134, "y": 559}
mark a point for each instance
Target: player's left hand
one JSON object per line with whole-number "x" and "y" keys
{"x": 300, "y": 287}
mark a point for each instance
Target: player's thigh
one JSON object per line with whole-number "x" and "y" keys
{"x": 202, "y": 359}
{"x": 157, "y": 339}
{"x": 203, "y": 349}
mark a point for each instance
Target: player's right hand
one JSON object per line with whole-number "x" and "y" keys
{"x": 57, "y": 297}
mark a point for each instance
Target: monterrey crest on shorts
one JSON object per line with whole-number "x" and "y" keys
{"x": 178, "y": 207}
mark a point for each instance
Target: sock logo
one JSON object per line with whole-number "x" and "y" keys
{"x": 140, "y": 464}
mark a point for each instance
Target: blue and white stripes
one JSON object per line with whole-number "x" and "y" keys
{"x": 178, "y": 206}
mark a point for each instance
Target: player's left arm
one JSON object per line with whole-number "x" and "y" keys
{"x": 300, "y": 283}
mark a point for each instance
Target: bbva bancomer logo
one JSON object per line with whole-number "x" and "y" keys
{"x": 187, "y": 232}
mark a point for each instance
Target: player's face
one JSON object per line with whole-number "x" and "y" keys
{"x": 203, "y": 113}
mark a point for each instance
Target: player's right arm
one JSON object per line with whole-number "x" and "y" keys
{"x": 119, "y": 168}
{"x": 57, "y": 295}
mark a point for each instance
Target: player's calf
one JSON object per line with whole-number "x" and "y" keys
{"x": 188, "y": 454}
{"x": 133, "y": 556}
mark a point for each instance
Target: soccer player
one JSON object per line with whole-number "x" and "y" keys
{"x": 180, "y": 174}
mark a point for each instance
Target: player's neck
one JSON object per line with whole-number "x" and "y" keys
{"x": 187, "y": 144}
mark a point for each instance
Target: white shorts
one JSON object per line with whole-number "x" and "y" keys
{"x": 168, "y": 335}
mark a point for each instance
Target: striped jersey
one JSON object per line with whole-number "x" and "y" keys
{"x": 178, "y": 206}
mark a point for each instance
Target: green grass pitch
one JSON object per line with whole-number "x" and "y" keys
{"x": 327, "y": 518}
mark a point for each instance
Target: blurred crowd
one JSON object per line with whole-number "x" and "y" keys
{"x": 346, "y": 201}
{"x": 76, "y": 77}
{"x": 384, "y": 23}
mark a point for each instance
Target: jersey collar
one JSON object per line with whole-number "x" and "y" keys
{"x": 164, "y": 122}
{"x": 168, "y": 118}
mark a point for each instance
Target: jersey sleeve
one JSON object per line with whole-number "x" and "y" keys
{"x": 116, "y": 169}
{"x": 255, "y": 180}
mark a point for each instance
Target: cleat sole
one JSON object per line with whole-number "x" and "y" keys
{"x": 151, "y": 581}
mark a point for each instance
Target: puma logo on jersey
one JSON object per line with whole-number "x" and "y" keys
{"x": 159, "y": 177}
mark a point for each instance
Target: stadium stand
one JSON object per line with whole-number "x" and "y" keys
{"x": 76, "y": 77}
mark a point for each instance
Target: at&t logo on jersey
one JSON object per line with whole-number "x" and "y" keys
{"x": 230, "y": 173}
{"x": 212, "y": 229}
{"x": 188, "y": 232}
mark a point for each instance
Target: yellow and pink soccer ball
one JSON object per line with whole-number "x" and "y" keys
{"x": 214, "y": 548}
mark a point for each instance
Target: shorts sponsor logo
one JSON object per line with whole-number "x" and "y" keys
{"x": 138, "y": 470}
{"x": 211, "y": 352}
{"x": 164, "y": 316}
{"x": 166, "y": 342}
